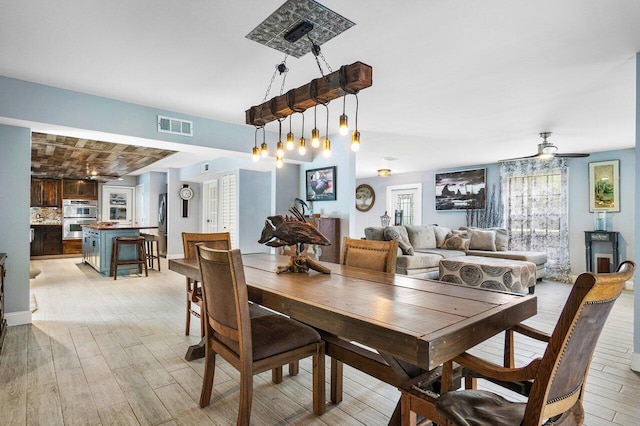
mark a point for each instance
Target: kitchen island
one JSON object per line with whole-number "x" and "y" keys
{"x": 97, "y": 243}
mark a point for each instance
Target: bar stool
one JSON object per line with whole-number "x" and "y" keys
{"x": 151, "y": 241}
{"x": 141, "y": 257}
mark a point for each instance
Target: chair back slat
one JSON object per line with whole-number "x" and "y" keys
{"x": 216, "y": 240}
{"x": 226, "y": 303}
{"x": 561, "y": 376}
{"x": 370, "y": 254}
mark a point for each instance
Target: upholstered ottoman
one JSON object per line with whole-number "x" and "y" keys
{"x": 490, "y": 273}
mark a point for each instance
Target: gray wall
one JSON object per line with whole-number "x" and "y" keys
{"x": 287, "y": 188}
{"x": 15, "y": 166}
{"x": 254, "y": 205}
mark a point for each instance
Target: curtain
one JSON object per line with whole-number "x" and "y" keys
{"x": 535, "y": 198}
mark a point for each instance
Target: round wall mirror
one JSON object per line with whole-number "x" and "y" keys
{"x": 365, "y": 197}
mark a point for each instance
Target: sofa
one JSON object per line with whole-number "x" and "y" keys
{"x": 421, "y": 247}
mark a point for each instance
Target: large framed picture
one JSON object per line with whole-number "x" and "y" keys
{"x": 321, "y": 184}
{"x": 604, "y": 186}
{"x": 461, "y": 190}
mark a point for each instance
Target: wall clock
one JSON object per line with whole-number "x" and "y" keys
{"x": 365, "y": 197}
{"x": 186, "y": 194}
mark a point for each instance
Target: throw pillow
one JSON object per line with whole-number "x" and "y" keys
{"x": 482, "y": 240}
{"x": 441, "y": 233}
{"x": 374, "y": 233}
{"x": 455, "y": 242}
{"x": 502, "y": 239}
{"x": 421, "y": 236}
{"x": 393, "y": 233}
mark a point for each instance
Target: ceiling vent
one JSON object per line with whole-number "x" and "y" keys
{"x": 175, "y": 126}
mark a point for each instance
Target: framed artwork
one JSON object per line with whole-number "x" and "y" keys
{"x": 461, "y": 190}
{"x": 117, "y": 204}
{"x": 604, "y": 186}
{"x": 365, "y": 197}
{"x": 321, "y": 184}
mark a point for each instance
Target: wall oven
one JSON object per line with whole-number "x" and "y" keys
{"x": 76, "y": 213}
{"x": 80, "y": 208}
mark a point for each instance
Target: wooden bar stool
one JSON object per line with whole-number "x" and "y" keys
{"x": 151, "y": 241}
{"x": 141, "y": 257}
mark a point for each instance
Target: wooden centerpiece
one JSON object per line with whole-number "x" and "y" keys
{"x": 280, "y": 231}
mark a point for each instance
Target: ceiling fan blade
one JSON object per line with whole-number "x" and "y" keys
{"x": 571, "y": 155}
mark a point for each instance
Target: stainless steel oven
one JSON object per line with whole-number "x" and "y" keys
{"x": 72, "y": 227}
{"x": 80, "y": 208}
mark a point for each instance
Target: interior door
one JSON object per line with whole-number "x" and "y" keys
{"x": 229, "y": 207}
{"x": 210, "y": 206}
{"x": 117, "y": 204}
{"x": 408, "y": 200}
{"x": 140, "y": 215}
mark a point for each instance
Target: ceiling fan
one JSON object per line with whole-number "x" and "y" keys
{"x": 547, "y": 150}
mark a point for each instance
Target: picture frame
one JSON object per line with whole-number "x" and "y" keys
{"x": 321, "y": 184}
{"x": 461, "y": 190}
{"x": 604, "y": 186}
{"x": 365, "y": 197}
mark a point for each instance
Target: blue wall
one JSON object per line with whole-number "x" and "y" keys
{"x": 15, "y": 166}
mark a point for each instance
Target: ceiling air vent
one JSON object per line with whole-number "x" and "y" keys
{"x": 175, "y": 126}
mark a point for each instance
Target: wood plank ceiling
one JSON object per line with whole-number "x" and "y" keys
{"x": 55, "y": 156}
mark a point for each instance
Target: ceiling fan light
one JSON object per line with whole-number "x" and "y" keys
{"x": 549, "y": 149}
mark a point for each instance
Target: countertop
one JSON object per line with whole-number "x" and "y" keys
{"x": 116, "y": 227}
{"x": 45, "y": 224}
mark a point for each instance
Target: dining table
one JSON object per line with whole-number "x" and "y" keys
{"x": 393, "y": 327}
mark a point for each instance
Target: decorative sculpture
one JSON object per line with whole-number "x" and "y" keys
{"x": 295, "y": 231}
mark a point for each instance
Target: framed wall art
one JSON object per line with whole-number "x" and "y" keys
{"x": 321, "y": 184}
{"x": 461, "y": 190}
{"x": 365, "y": 197}
{"x": 604, "y": 186}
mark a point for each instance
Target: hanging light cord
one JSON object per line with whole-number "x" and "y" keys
{"x": 356, "y": 95}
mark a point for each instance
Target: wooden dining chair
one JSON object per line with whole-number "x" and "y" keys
{"x": 373, "y": 255}
{"x": 220, "y": 240}
{"x": 369, "y": 254}
{"x": 557, "y": 378}
{"x": 250, "y": 344}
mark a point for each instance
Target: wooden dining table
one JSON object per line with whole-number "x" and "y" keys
{"x": 390, "y": 326}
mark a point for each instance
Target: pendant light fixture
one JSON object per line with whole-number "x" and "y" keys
{"x": 290, "y": 138}
{"x": 302, "y": 143}
{"x": 315, "y": 133}
{"x": 344, "y": 120}
{"x": 326, "y": 150}
{"x": 279, "y": 145}
{"x": 355, "y": 136}
{"x": 264, "y": 150}
{"x": 256, "y": 151}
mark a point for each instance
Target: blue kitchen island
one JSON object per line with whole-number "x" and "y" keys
{"x": 97, "y": 241}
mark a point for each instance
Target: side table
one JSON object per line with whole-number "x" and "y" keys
{"x": 601, "y": 236}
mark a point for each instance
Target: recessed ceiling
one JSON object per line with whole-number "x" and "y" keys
{"x": 55, "y": 156}
{"x": 326, "y": 25}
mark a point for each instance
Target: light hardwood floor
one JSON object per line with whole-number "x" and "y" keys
{"x": 112, "y": 352}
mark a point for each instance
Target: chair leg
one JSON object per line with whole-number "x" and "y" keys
{"x": 407, "y": 417}
{"x": 246, "y": 396}
{"x": 319, "y": 398}
{"x": 276, "y": 375}
{"x": 294, "y": 368}
{"x": 207, "y": 379}
{"x": 188, "y": 320}
{"x": 336, "y": 381}
{"x": 201, "y": 323}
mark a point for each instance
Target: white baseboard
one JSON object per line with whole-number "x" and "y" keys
{"x": 635, "y": 361}
{"x": 18, "y": 318}
{"x": 628, "y": 285}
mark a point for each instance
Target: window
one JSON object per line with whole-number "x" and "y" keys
{"x": 406, "y": 199}
{"x": 536, "y": 212}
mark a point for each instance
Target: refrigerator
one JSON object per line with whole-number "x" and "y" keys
{"x": 162, "y": 225}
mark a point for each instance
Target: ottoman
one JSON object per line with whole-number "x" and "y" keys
{"x": 490, "y": 273}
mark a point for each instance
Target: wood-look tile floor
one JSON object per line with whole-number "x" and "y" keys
{"x": 112, "y": 352}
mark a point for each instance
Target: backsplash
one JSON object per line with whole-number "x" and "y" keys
{"x": 45, "y": 216}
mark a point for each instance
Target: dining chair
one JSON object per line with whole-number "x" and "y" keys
{"x": 557, "y": 379}
{"x": 250, "y": 344}
{"x": 373, "y": 255}
{"x": 369, "y": 254}
{"x": 220, "y": 240}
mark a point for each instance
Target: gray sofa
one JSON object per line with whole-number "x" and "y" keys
{"x": 420, "y": 247}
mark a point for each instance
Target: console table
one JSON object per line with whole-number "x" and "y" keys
{"x": 601, "y": 236}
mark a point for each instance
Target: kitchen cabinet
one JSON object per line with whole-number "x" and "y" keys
{"x": 98, "y": 243}
{"x": 72, "y": 246}
{"x": 47, "y": 240}
{"x": 45, "y": 192}
{"x": 78, "y": 189}
{"x": 3, "y": 321}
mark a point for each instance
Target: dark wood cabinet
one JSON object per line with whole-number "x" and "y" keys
{"x": 330, "y": 228}
{"x": 45, "y": 192}
{"x": 3, "y": 321}
{"x": 78, "y": 189}
{"x": 47, "y": 240}
{"x": 72, "y": 246}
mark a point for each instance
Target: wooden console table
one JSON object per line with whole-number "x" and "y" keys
{"x": 605, "y": 237}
